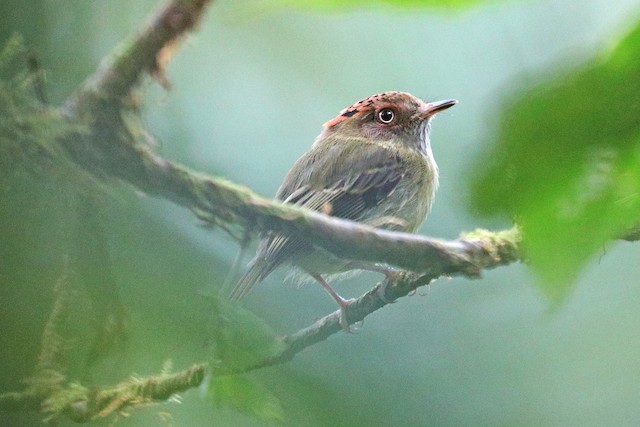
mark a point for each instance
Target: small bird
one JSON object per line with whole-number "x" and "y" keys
{"x": 372, "y": 164}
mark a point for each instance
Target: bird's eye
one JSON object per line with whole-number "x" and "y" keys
{"x": 386, "y": 115}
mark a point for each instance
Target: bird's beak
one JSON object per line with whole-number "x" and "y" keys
{"x": 436, "y": 107}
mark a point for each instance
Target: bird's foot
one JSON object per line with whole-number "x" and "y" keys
{"x": 342, "y": 302}
{"x": 390, "y": 275}
{"x": 381, "y": 290}
{"x": 344, "y": 320}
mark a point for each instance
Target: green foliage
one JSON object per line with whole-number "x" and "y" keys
{"x": 566, "y": 163}
{"x": 241, "y": 341}
{"x": 247, "y": 396}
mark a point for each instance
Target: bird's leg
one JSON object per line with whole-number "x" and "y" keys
{"x": 343, "y": 303}
{"x": 389, "y": 274}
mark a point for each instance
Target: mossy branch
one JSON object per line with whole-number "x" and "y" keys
{"x": 82, "y": 405}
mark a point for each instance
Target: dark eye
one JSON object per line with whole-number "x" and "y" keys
{"x": 386, "y": 115}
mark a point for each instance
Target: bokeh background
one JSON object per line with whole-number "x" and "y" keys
{"x": 251, "y": 89}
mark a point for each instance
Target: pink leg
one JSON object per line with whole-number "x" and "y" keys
{"x": 343, "y": 303}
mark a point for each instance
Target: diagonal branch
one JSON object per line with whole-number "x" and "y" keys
{"x": 147, "y": 52}
{"x": 109, "y": 144}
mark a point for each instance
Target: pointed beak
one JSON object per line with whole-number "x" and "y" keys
{"x": 436, "y": 107}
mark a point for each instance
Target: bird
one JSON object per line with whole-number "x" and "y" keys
{"x": 372, "y": 164}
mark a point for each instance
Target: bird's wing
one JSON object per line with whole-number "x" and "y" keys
{"x": 353, "y": 192}
{"x": 348, "y": 189}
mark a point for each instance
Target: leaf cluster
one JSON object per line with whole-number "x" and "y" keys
{"x": 566, "y": 164}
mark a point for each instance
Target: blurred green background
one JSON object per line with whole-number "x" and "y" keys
{"x": 251, "y": 89}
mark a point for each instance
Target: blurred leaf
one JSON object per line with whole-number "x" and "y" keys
{"x": 241, "y": 339}
{"x": 247, "y": 396}
{"x": 341, "y": 4}
{"x": 566, "y": 163}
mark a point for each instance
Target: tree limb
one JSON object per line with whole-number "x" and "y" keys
{"x": 111, "y": 144}
{"x": 133, "y": 392}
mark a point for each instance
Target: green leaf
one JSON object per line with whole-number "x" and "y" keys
{"x": 241, "y": 340}
{"x": 247, "y": 396}
{"x": 566, "y": 163}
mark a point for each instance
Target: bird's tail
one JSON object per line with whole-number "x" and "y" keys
{"x": 258, "y": 270}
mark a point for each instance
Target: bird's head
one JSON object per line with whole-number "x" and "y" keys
{"x": 388, "y": 116}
